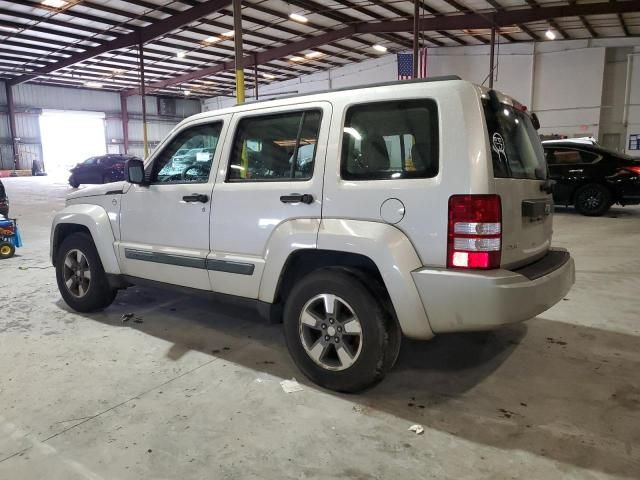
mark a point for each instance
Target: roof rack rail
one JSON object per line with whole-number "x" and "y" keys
{"x": 443, "y": 78}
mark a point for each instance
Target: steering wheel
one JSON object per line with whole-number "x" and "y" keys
{"x": 201, "y": 171}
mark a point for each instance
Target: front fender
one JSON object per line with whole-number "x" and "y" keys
{"x": 95, "y": 219}
{"x": 394, "y": 255}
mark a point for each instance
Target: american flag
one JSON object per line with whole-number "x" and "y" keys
{"x": 405, "y": 65}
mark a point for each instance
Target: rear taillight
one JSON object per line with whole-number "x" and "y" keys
{"x": 635, "y": 169}
{"x": 475, "y": 231}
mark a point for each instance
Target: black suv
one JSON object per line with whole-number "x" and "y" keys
{"x": 592, "y": 177}
{"x": 4, "y": 201}
{"x": 103, "y": 169}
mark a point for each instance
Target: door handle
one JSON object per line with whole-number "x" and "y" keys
{"x": 196, "y": 197}
{"x": 297, "y": 198}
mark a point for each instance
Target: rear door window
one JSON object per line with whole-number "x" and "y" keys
{"x": 390, "y": 140}
{"x": 275, "y": 147}
{"x": 515, "y": 147}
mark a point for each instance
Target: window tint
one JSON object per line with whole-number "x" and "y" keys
{"x": 390, "y": 140}
{"x": 90, "y": 161}
{"x": 265, "y": 147}
{"x": 515, "y": 146}
{"x": 187, "y": 159}
{"x": 565, "y": 156}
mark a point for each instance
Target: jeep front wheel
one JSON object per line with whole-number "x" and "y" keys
{"x": 338, "y": 333}
{"x": 81, "y": 278}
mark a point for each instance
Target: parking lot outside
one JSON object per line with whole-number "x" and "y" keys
{"x": 189, "y": 387}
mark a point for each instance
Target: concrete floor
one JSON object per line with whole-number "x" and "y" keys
{"x": 190, "y": 389}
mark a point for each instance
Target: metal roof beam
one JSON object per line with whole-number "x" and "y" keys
{"x": 143, "y": 35}
{"x": 448, "y": 22}
{"x": 526, "y": 30}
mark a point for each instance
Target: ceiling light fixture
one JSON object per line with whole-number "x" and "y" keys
{"x": 181, "y": 54}
{"x": 186, "y": 92}
{"x": 229, "y": 34}
{"x": 297, "y": 59}
{"x": 314, "y": 55}
{"x": 211, "y": 39}
{"x": 296, "y": 17}
{"x": 268, "y": 76}
{"x": 550, "y": 35}
{"x": 380, "y": 48}
{"x": 54, "y": 3}
{"x": 92, "y": 84}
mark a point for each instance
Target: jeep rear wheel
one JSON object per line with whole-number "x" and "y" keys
{"x": 81, "y": 278}
{"x": 338, "y": 333}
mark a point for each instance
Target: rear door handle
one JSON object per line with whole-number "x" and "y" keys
{"x": 297, "y": 198}
{"x": 196, "y": 197}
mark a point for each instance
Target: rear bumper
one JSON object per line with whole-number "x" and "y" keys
{"x": 465, "y": 301}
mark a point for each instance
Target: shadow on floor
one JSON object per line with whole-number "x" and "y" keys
{"x": 566, "y": 392}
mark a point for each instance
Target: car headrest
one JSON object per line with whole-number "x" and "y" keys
{"x": 421, "y": 156}
{"x": 274, "y": 157}
{"x": 375, "y": 153}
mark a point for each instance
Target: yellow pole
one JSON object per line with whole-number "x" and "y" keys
{"x": 237, "y": 32}
{"x": 240, "y": 85}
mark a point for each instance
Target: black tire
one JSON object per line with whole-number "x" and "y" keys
{"x": 380, "y": 335}
{"x": 592, "y": 200}
{"x": 73, "y": 182}
{"x": 7, "y": 250}
{"x": 99, "y": 294}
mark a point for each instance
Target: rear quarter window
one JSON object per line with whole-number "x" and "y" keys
{"x": 390, "y": 140}
{"x": 516, "y": 150}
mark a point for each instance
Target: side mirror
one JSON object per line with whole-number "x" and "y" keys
{"x": 134, "y": 169}
{"x": 535, "y": 121}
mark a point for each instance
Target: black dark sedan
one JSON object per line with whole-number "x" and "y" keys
{"x": 592, "y": 178}
{"x": 103, "y": 169}
{"x": 4, "y": 201}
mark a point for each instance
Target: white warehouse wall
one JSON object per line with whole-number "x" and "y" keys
{"x": 31, "y": 99}
{"x": 562, "y": 81}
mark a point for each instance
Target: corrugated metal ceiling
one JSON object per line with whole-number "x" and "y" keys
{"x": 34, "y": 35}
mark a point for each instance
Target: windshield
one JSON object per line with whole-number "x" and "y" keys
{"x": 515, "y": 147}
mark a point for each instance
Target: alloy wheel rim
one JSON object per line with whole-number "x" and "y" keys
{"x": 330, "y": 332}
{"x": 77, "y": 273}
{"x": 5, "y": 250}
{"x": 592, "y": 199}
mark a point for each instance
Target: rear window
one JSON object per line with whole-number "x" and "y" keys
{"x": 390, "y": 140}
{"x": 515, "y": 147}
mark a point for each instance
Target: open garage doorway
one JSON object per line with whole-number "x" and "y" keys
{"x": 69, "y": 138}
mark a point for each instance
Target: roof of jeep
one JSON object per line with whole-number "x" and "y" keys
{"x": 244, "y": 106}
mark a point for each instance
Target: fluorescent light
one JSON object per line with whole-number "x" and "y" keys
{"x": 92, "y": 84}
{"x": 187, "y": 92}
{"x": 118, "y": 71}
{"x": 229, "y": 34}
{"x": 550, "y": 35}
{"x": 380, "y": 48}
{"x": 296, "y": 17}
{"x": 181, "y": 54}
{"x": 297, "y": 59}
{"x": 314, "y": 55}
{"x": 212, "y": 39}
{"x": 268, "y": 76}
{"x": 54, "y": 3}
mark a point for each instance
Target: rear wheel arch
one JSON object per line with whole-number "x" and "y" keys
{"x": 302, "y": 262}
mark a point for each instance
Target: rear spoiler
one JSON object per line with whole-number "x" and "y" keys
{"x": 495, "y": 105}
